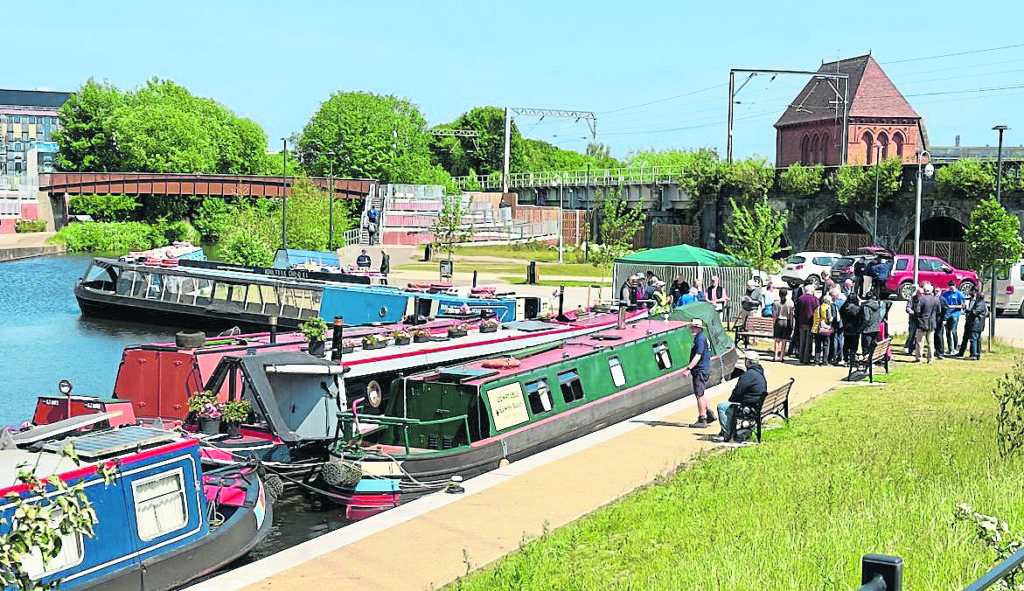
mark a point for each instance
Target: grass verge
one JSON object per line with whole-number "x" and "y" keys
{"x": 556, "y": 283}
{"x": 514, "y": 270}
{"x": 862, "y": 470}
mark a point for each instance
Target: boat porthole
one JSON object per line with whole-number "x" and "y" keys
{"x": 373, "y": 394}
{"x": 382, "y": 312}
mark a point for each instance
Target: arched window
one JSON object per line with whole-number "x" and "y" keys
{"x": 805, "y": 147}
{"x": 897, "y": 138}
{"x": 823, "y": 154}
{"x": 883, "y": 143}
{"x": 868, "y": 146}
{"x": 814, "y": 150}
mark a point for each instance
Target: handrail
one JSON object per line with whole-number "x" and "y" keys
{"x": 403, "y": 422}
{"x": 998, "y": 573}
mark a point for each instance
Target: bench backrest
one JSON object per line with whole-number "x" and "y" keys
{"x": 776, "y": 397}
{"x": 881, "y": 348}
{"x": 759, "y": 324}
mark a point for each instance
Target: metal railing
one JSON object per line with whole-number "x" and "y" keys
{"x": 351, "y": 236}
{"x": 634, "y": 175}
{"x": 350, "y": 420}
{"x": 885, "y": 573}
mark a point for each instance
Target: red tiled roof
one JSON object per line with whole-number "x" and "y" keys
{"x": 872, "y": 94}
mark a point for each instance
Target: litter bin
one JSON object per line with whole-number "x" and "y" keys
{"x": 426, "y": 252}
{"x": 531, "y": 273}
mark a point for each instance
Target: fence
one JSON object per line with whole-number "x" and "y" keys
{"x": 885, "y": 573}
{"x": 838, "y": 242}
{"x": 734, "y": 279}
{"x": 663, "y": 235}
{"x": 954, "y": 253}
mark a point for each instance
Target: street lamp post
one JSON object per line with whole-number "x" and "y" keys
{"x": 561, "y": 183}
{"x": 999, "y": 199}
{"x": 284, "y": 193}
{"x": 928, "y": 170}
{"x": 330, "y": 206}
{"x": 874, "y": 231}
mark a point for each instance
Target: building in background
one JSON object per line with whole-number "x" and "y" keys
{"x": 880, "y": 121}
{"x": 28, "y": 119}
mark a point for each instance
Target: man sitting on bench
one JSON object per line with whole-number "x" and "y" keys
{"x": 750, "y": 388}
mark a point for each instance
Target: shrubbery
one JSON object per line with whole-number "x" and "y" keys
{"x": 245, "y": 247}
{"x": 104, "y": 208}
{"x": 801, "y": 181}
{"x": 116, "y": 237}
{"x": 29, "y": 226}
{"x": 213, "y": 218}
{"x": 966, "y": 178}
{"x": 854, "y": 185}
{"x": 1009, "y": 394}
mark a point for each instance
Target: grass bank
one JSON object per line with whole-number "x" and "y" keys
{"x": 862, "y": 470}
{"x": 512, "y": 269}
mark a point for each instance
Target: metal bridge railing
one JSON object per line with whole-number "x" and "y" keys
{"x": 634, "y": 175}
{"x": 885, "y": 573}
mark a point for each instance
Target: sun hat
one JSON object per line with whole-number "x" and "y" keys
{"x": 697, "y": 322}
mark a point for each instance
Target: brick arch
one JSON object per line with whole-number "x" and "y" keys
{"x": 805, "y": 145}
{"x": 868, "y": 140}
{"x": 898, "y": 139}
{"x": 813, "y": 152}
{"x": 816, "y": 220}
{"x": 935, "y": 211}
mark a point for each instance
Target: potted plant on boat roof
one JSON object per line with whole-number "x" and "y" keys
{"x": 401, "y": 337}
{"x": 234, "y": 413}
{"x": 421, "y": 335}
{"x": 348, "y": 345}
{"x": 458, "y": 330}
{"x": 315, "y": 331}
{"x": 204, "y": 404}
{"x": 489, "y": 325}
{"x": 373, "y": 341}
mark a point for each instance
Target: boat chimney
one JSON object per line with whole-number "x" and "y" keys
{"x": 336, "y": 338}
{"x": 273, "y": 329}
{"x": 622, "y": 318}
{"x": 561, "y": 304}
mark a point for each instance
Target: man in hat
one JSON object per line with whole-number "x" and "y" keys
{"x": 699, "y": 369}
{"x": 749, "y": 389}
{"x": 748, "y": 306}
{"x": 662, "y": 302}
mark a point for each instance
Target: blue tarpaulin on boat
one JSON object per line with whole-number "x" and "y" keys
{"x": 287, "y": 258}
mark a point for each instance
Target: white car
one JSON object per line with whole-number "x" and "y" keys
{"x": 1009, "y": 289}
{"x": 804, "y": 265}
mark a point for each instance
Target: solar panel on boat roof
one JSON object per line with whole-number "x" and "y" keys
{"x": 461, "y": 374}
{"x": 105, "y": 443}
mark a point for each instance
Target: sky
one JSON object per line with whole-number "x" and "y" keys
{"x": 655, "y": 73}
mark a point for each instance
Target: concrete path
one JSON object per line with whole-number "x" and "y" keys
{"x": 21, "y": 246}
{"x": 432, "y": 541}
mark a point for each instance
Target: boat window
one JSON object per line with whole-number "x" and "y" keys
{"x": 160, "y": 504}
{"x": 270, "y": 304}
{"x": 124, "y": 282}
{"x": 238, "y": 293}
{"x": 572, "y": 388}
{"x": 618, "y": 377}
{"x": 100, "y": 277}
{"x": 172, "y": 288}
{"x": 154, "y": 286}
{"x": 662, "y": 355}
{"x": 539, "y": 396}
{"x": 70, "y": 554}
{"x": 220, "y": 291}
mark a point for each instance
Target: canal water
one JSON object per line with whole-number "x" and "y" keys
{"x": 44, "y": 338}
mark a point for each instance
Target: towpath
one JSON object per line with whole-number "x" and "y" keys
{"x": 432, "y": 541}
{"x": 22, "y": 246}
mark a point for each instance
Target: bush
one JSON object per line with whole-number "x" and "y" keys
{"x": 180, "y": 231}
{"x": 749, "y": 178}
{"x": 29, "y": 226}
{"x": 115, "y": 237}
{"x": 245, "y": 247}
{"x": 166, "y": 207}
{"x": 966, "y": 178}
{"x": 213, "y": 218}
{"x": 854, "y": 185}
{"x": 1009, "y": 393}
{"x": 104, "y": 208}
{"x": 801, "y": 181}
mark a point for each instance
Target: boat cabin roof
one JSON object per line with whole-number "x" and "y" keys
{"x": 477, "y": 373}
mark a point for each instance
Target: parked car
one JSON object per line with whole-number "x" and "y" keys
{"x": 1010, "y": 289}
{"x": 842, "y": 269}
{"x": 930, "y": 270}
{"x": 804, "y": 265}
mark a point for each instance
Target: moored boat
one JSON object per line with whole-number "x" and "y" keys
{"x": 160, "y": 520}
{"x": 466, "y": 419}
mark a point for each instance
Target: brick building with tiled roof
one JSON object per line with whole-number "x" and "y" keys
{"x": 880, "y": 121}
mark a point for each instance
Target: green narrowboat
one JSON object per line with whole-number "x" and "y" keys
{"x": 465, "y": 420}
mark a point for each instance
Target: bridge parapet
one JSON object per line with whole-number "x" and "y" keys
{"x": 579, "y": 178}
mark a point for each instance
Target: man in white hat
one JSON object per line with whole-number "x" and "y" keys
{"x": 749, "y": 389}
{"x": 700, "y": 370}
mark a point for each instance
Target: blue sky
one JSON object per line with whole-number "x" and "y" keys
{"x": 275, "y": 62}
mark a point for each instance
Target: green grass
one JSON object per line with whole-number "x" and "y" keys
{"x": 862, "y": 470}
{"x": 517, "y": 270}
{"x": 530, "y": 251}
{"x": 554, "y": 283}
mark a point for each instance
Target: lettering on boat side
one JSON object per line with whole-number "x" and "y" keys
{"x": 508, "y": 408}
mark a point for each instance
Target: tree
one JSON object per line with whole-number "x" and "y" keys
{"x": 993, "y": 237}
{"x": 484, "y": 153}
{"x": 619, "y": 223}
{"x": 756, "y": 234}
{"x": 372, "y": 136}
{"x": 801, "y": 181}
{"x": 245, "y": 247}
{"x": 855, "y": 185}
{"x": 84, "y": 140}
{"x": 967, "y": 178}
{"x": 449, "y": 228}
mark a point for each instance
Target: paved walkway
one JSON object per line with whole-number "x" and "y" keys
{"x": 430, "y": 542}
{"x": 20, "y": 246}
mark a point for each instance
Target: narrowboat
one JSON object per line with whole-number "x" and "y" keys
{"x": 220, "y": 296}
{"x": 161, "y": 521}
{"x": 467, "y": 419}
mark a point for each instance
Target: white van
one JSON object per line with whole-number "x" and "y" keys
{"x": 1010, "y": 289}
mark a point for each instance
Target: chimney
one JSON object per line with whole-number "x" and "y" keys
{"x": 957, "y": 142}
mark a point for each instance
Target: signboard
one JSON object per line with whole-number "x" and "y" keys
{"x": 508, "y": 408}
{"x": 447, "y": 269}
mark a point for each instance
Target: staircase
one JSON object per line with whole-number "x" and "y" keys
{"x": 377, "y": 200}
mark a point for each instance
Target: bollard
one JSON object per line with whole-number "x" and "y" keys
{"x": 336, "y": 338}
{"x": 622, "y": 318}
{"x": 881, "y": 573}
{"x": 273, "y": 329}
{"x": 474, "y": 277}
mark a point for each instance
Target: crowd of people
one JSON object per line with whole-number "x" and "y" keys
{"x": 646, "y": 289}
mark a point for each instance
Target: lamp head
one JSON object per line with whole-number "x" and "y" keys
{"x": 929, "y": 170}
{"x": 1000, "y": 128}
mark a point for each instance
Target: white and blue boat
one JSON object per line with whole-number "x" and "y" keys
{"x": 161, "y": 521}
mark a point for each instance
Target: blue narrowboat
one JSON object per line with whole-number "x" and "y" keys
{"x": 161, "y": 522}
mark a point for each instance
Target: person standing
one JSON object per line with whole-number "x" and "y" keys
{"x": 699, "y": 369}
{"x": 688, "y": 298}
{"x": 838, "y": 338}
{"x": 858, "y": 274}
{"x": 805, "y": 307}
{"x": 911, "y": 344}
{"x": 782, "y": 325}
{"x": 870, "y": 319}
{"x": 926, "y": 309}
{"x": 955, "y": 301}
{"x": 363, "y": 260}
{"x": 850, "y": 311}
{"x": 749, "y": 305}
{"x": 662, "y": 303}
{"x": 678, "y": 289}
{"x": 976, "y": 316}
{"x": 768, "y": 300}
{"x": 822, "y": 329}
{"x": 718, "y": 296}
{"x": 627, "y": 295}
{"x": 750, "y": 389}
{"x": 940, "y": 319}
{"x": 385, "y": 263}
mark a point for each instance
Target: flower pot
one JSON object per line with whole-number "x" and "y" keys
{"x": 316, "y": 348}
{"x": 486, "y": 328}
{"x": 347, "y": 349}
{"x": 402, "y": 341}
{"x": 373, "y": 346}
{"x": 421, "y": 338}
{"x": 209, "y": 426}
{"x": 456, "y": 333}
{"x": 233, "y": 429}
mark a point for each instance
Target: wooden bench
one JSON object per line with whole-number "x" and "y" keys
{"x": 879, "y": 356}
{"x": 774, "y": 403}
{"x": 757, "y": 327}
